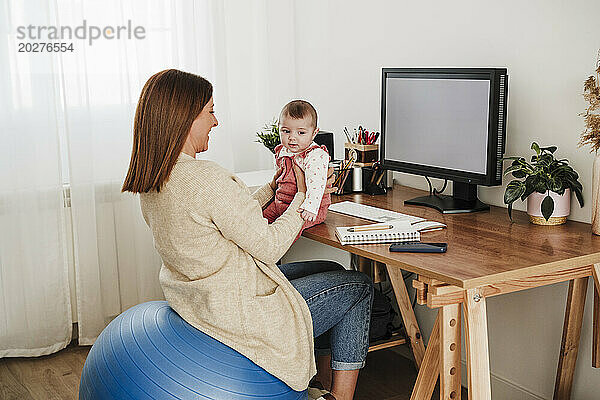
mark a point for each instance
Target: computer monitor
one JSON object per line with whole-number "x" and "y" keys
{"x": 447, "y": 123}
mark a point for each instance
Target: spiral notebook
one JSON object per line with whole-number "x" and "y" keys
{"x": 401, "y": 231}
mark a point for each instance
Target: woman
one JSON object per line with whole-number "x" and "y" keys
{"x": 219, "y": 254}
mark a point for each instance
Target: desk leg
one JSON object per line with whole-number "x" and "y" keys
{"x": 570, "y": 339}
{"x": 408, "y": 314}
{"x": 450, "y": 385}
{"x": 430, "y": 369}
{"x": 596, "y": 323}
{"x": 476, "y": 338}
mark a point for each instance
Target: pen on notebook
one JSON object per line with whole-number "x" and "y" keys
{"x": 370, "y": 228}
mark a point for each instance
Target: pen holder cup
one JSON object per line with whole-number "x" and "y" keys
{"x": 374, "y": 180}
{"x": 367, "y": 154}
{"x": 343, "y": 180}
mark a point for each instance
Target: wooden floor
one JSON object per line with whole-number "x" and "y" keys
{"x": 49, "y": 377}
{"x": 387, "y": 376}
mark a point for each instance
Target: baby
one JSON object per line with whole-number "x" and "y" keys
{"x": 297, "y": 129}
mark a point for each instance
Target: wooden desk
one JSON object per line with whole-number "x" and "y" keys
{"x": 487, "y": 256}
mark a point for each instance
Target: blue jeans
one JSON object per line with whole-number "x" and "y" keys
{"x": 340, "y": 305}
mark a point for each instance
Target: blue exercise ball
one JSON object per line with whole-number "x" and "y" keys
{"x": 150, "y": 352}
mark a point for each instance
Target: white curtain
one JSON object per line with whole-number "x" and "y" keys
{"x": 35, "y": 311}
{"x": 255, "y": 73}
{"x": 116, "y": 265}
{"x": 66, "y": 118}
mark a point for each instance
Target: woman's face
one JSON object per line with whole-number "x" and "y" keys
{"x": 197, "y": 140}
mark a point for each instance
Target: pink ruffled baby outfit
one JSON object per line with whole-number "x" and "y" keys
{"x": 314, "y": 161}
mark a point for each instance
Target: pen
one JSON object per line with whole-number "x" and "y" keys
{"x": 380, "y": 178}
{"x": 431, "y": 230}
{"x": 374, "y": 174}
{"x": 347, "y": 136}
{"x": 374, "y": 227}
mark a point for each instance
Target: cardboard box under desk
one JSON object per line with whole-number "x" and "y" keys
{"x": 367, "y": 154}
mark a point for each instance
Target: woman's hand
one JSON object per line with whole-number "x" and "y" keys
{"x": 329, "y": 188}
{"x": 330, "y": 179}
{"x": 273, "y": 183}
{"x": 300, "y": 180}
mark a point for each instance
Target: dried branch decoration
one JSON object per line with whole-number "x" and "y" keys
{"x": 591, "y": 93}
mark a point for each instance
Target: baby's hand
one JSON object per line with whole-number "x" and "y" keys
{"x": 308, "y": 216}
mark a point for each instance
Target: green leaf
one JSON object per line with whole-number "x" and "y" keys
{"x": 545, "y": 159}
{"x": 535, "y": 147}
{"x": 510, "y": 211}
{"x": 514, "y": 190}
{"x": 562, "y": 169}
{"x": 519, "y": 174}
{"x": 528, "y": 190}
{"x": 547, "y": 207}
{"x": 579, "y": 196}
{"x": 537, "y": 183}
{"x": 525, "y": 166}
{"x": 551, "y": 149}
{"x": 512, "y": 168}
{"x": 574, "y": 183}
{"x": 556, "y": 185}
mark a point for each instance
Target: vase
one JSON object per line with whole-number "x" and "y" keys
{"x": 596, "y": 196}
{"x": 562, "y": 208}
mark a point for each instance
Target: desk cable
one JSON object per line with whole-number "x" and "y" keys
{"x": 433, "y": 191}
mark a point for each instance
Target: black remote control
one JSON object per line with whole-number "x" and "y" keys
{"x": 419, "y": 247}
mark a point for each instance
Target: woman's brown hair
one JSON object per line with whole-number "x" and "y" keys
{"x": 168, "y": 104}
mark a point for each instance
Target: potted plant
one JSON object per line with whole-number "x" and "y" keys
{"x": 591, "y": 136}
{"x": 547, "y": 186}
{"x": 269, "y": 135}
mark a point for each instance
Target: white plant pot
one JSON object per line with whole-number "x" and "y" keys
{"x": 562, "y": 208}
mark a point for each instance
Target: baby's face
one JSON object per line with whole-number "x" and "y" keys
{"x": 296, "y": 134}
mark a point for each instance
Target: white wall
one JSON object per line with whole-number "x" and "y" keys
{"x": 549, "y": 48}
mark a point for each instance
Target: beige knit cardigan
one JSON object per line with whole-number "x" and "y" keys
{"x": 219, "y": 271}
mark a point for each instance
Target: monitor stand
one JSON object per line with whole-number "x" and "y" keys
{"x": 463, "y": 200}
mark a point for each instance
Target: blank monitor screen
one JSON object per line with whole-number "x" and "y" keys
{"x": 438, "y": 122}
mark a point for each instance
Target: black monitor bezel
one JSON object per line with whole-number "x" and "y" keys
{"x": 490, "y": 178}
